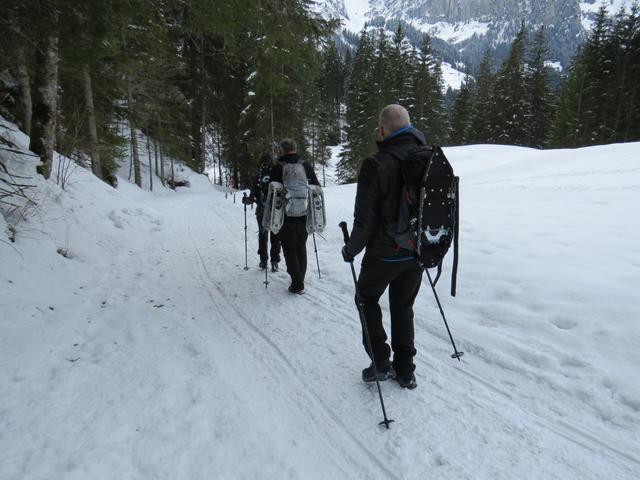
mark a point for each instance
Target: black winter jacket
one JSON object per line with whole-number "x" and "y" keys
{"x": 378, "y": 197}
{"x": 276, "y": 176}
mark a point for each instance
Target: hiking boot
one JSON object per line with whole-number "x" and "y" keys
{"x": 385, "y": 372}
{"x": 274, "y": 267}
{"x": 298, "y": 291}
{"x": 263, "y": 265}
{"x": 407, "y": 380}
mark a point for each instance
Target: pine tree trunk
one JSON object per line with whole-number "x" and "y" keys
{"x": 134, "y": 138}
{"x": 150, "y": 163}
{"x": 155, "y": 153}
{"x": 96, "y": 166}
{"x": 629, "y": 122}
{"x": 162, "y": 178}
{"x": 24, "y": 96}
{"x": 43, "y": 124}
{"x": 203, "y": 139}
{"x": 220, "y": 161}
{"x": 173, "y": 175}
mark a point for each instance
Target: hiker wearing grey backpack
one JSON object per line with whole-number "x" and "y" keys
{"x": 295, "y": 175}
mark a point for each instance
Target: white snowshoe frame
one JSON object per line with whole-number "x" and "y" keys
{"x": 316, "y": 213}
{"x": 273, "y": 217}
{"x": 274, "y": 209}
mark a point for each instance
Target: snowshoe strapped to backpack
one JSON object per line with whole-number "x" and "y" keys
{"x": 296, "y": 188}
{"x": 273, "y": 217}
{"x": 316, "y": 215}
{"x": 429, "y": 209}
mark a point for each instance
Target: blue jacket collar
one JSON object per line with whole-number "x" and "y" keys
{"x": 409, "y": 130}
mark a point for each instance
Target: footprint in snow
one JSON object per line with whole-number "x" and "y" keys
{"x": 563, "y": 323}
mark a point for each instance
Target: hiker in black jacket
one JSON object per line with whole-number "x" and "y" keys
{"x": 384, "y": 264}
{"x": 259, "y": 195}
{"x": 293, "y": 234}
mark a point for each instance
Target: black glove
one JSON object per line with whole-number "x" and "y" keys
{"x": 346, "y": 254}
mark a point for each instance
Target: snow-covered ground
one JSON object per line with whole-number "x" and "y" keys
{"x": 149, "y": 353}
{"x": 453, "y": 32}
{"x": 451, "y": 77}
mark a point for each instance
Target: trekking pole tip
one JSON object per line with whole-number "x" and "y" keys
{"x": 386, "y": 422}
{"x": 457, "y": 355}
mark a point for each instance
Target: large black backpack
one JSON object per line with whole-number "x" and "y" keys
{"x": 428, "y": 216}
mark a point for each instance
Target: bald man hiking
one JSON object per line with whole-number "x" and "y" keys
{"x": 384, "y": 264}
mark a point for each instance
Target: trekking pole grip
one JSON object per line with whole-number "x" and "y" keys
{"x": 345, "y": 231}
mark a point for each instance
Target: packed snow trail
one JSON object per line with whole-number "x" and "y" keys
{"x": 151, "y": 353}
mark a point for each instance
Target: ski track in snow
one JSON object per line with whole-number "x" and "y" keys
{"x": 563, "y": 431}
{"x": 307, "y": 395}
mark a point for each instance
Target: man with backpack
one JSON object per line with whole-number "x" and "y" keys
{"x": 295, "y": 175}
{"x": 384, "y": 264}
{"x": 259, "y": 195}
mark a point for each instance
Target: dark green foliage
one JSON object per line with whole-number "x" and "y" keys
{"x": 428, "y": 112}
{"x": 482, "y": 117}
{"x": 246, "y": 73}
{"x": 599, "y": 102}
{"x": 539, "y": 99}
{"x": 511, "y": 106}
{"x": 390, "y": 71}
{"x": 361, "y": 110}
{"x": 461, "y": 115}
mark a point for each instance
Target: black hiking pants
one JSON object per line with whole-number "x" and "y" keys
{"x": 263, "y": 243}
{"x": 293, "y": 236}
{"x": 403, "y": 279}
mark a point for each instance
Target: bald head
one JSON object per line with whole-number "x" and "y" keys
{"x": 392, "y": 118}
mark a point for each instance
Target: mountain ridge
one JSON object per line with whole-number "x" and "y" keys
{"x": 473, "y": 27}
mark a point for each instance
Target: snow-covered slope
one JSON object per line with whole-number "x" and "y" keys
{"x": 589, "y": 9}
{"x": 149, "y": 352}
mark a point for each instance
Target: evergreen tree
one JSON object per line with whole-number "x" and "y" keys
{"x": 598, "y": 103}
{"x": 461, "y": 115}
{"x": 361, "y": 110}
{"x": 625, "y": 93}
{"x": 381, "y": 74}
{"x": 598, "y": 73}
{"x": 331, "y": 85}
{"x": 398, "y": 68}
{"x": 428, "y": 112}
{"x": 568, "y": 123}
{"x": 482, "y": 128}
{"x": 510, "y": 95}
{"x": 538, "y": 92}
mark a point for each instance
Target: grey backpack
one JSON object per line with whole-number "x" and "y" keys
{"x": 296, "y": 189}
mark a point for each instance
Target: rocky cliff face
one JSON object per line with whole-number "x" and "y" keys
{"x": 472, "y": 26}
{"x": 431, "y": 11}
{"x": 464, "y": 29}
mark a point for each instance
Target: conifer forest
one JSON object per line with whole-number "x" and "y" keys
{"x": 215, "y": 84}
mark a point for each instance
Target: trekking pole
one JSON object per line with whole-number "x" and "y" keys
{"x": 365, "y": 330}
{"x": 246, "y": 260}
{"x": 266, "y": 270}
{"x": 315, "y": 247}
{"x": 456, "y": 353}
